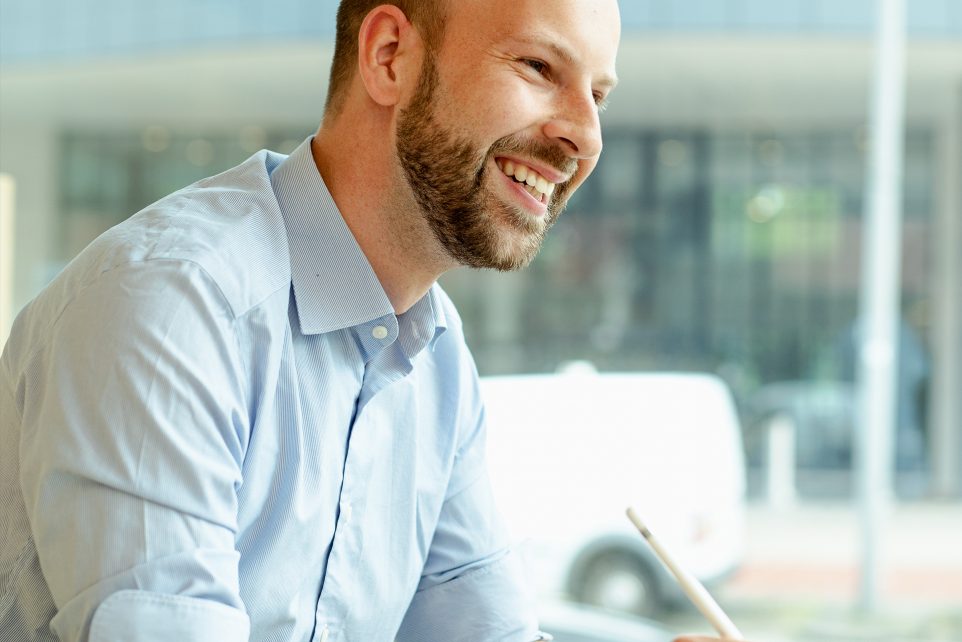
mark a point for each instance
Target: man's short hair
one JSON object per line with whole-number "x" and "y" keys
{"x": 426, "y": 15}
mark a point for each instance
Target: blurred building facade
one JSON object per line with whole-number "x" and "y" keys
{"x": 720, "y": 232}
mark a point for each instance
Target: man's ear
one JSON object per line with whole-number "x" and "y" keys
{"x": 385, "y": 43}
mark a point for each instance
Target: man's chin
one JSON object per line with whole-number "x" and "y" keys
{"x": 513, "y": 250}
{"x": 503, "y": 263}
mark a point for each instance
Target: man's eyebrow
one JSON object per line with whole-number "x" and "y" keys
{"x": 607, "y": 81}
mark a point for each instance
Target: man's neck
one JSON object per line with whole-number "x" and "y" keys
{"x": 362, "y": 176}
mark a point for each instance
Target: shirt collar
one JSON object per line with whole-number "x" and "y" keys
{"x": 334, "y": 285}
{"x": 423, "y": 323}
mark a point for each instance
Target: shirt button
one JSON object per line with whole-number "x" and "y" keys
{"x": 379, "y": 332}
{"x": 324, "y": 634}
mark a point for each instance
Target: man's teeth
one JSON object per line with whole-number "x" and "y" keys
{"x": 536, "y": 184}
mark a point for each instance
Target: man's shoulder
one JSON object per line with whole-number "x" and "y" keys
{"x": 229, "y": 225}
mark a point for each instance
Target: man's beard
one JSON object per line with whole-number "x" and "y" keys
{"x": 447, "y": 176}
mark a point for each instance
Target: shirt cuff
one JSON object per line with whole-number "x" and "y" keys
{"x": 143, "y": 616}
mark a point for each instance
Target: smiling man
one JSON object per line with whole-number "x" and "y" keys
{"x": 248, "y": 412}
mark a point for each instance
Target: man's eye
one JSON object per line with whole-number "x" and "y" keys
{"x": 537, "y": 65}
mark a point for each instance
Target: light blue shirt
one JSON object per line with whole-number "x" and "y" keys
{"x": 214, "y": 427}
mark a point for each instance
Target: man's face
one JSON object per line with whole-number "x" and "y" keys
{"x": 503, "y": 125}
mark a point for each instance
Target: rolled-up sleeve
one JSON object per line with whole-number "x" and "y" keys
{"x": 486, "y": 603}
{"x": 133, "y": 436}
{"x": 474, "y": 586}
{"x": 142, "y": 616}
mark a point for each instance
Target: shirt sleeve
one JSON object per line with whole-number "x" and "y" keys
{"x": 473, "y": 587}
{"x": 132, "y": 440}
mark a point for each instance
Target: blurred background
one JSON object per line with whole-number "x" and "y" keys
{"x": 720, "y": 236}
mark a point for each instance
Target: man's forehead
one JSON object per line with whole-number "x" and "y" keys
{"x": 583, "y": 32}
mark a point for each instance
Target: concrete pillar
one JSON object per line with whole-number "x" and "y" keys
{"x": 945, "y": 409}
{"x": 7, "y": 200}
{"x": 29, "y": 155}
{"x": 781, "y": 462}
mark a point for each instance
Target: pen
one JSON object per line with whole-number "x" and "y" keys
{"x": 694, "y": 589}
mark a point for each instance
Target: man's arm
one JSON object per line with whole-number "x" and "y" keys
{"x": 133, "y": 434}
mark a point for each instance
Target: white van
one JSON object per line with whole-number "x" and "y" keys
{"x": 569, "y": 452}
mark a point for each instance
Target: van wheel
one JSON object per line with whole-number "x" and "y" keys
{"x": 618, "y": 581}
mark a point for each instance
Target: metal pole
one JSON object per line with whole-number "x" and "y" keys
{"x": 946, "y": 400}
{"x": 879, "y": 300}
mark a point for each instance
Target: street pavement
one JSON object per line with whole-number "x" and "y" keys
{"x": 799, "y": 581}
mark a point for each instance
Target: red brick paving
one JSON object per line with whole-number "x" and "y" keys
{"x": 833, "y": 581}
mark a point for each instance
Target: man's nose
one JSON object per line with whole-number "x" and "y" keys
{"x": 576, "y": 125}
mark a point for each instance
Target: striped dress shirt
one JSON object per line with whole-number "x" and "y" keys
{"x": 215, "y": 427}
